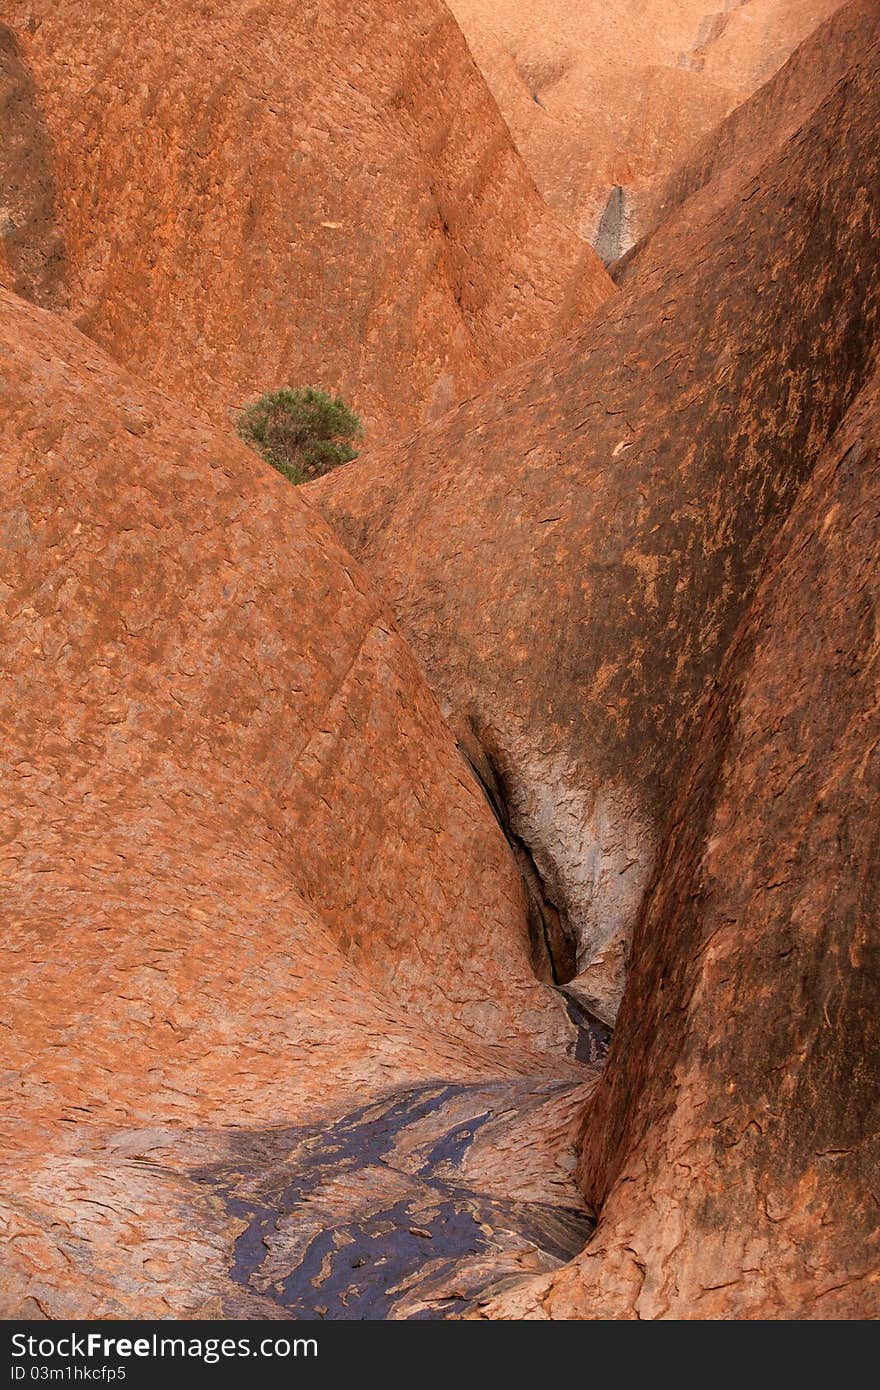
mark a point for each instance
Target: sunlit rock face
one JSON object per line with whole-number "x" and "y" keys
{"x": 232, "y": 198}
{"x": 248, "y": 879}
{"x": 717, "y": 171}
{"x": 605, "y": 100}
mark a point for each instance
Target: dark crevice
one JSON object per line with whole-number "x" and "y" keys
{"x": 552, "y": 953}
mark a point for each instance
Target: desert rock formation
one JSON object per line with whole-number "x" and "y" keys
{"x": 714, "y": 174}
{"x": 570, "y": 552}
{"x": 316, "y": 194}
{"x": 339, "y": 824}
{"x": 605, "y": 100}
{"x": 735, "y": 1136}
{"x": 232, "y": 822}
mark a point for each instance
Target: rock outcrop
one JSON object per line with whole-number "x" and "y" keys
{"x": 570, "y": 552}
{"x": 605, "y": 100}
{"x": 247, "y": 879}
{"x": 229, "y": 198}
{"x": 335, "y": 821}
{"x": 715, "y": 173}
{"x": 732, "y": 1146}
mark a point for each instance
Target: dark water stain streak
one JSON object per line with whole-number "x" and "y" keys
{"x": 353, "y": 1264}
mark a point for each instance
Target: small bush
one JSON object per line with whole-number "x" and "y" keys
{"x": 303, "y": 432}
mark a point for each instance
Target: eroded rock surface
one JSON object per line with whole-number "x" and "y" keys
{"x": 604, "y": 100}
{"x": 231, "y": 198}
{"x": 715, "y": 173}
{"x": 570, "y": 552}
{"x": 247, "y": 878}
{"x": 291, "y": 983}
{"x": 389, "y": 1211}
{"x": 732, "y": 1145}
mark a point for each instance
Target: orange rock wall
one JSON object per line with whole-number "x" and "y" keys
{"x": 615, "y": 95}
{"x": 570, "y": 551}
{"x": 258, "y": 195}
{"x": 732, "y": 1143}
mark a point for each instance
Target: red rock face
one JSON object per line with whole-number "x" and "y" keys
{"x": 570, "y": 552}
{"x": 233, "y": 198}
{"x": 281, "y": 1037}
{"x": 717, "y": 171}
{"x": 732, "y": 1143}
{"x": 604, "y": 101}
{"x": 232, "y": 822}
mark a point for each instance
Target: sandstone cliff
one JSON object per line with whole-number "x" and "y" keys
{"x": 604, "y": 100}
{"x": 233, "y": 198}
{"x": 570, "y": 552}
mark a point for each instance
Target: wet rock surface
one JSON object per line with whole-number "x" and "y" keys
{"x": 374, "y": 1215}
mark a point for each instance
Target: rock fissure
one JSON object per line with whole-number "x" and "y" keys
{"x": 553, "y": 955}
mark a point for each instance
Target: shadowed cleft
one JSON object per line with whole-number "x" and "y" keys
{"x": 552, "y": 953}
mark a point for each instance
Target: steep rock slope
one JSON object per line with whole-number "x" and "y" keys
{"x": 604, "y": 99}
{"x": 231, "y": 198}
{"x": 735, "y": 150}
{"x": 733, "y": 1143}
{"x": 570, "y": 552}
{"x": 246, "y": 877}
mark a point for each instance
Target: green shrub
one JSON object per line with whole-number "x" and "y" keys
{"x": 303, "y": 432}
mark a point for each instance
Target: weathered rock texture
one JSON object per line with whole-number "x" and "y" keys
{"x": 734, "y": 1141}
{"x": 570, "y": 552}
{"x": 233, "y": 198}
{"x": 409, "y": 1205}
{"x": 31, "y": 248}
{"x": 246, "y": 876}
{"x": 714, "y": 174}
{"x": 273, "y": 1041}
{"x": 604, "y": 100}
